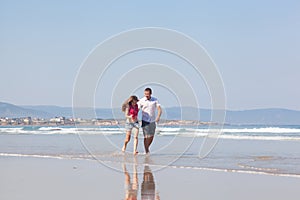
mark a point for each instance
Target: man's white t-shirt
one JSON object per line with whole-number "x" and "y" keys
{"x": 148, "y": 108}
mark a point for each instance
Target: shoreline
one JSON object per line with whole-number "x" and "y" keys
{"x": 208, "y": 169}
{"x": 78, "y": 179}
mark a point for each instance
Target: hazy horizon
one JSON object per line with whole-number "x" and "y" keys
{"x": 37, "y": 105}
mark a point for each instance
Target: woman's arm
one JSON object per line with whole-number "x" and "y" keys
{"x": 126, "y": 114}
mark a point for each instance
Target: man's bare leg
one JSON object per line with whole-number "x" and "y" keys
{"x": 147, "y": 143}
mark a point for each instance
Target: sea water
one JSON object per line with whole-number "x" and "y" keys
{"x": 258, "y": 149}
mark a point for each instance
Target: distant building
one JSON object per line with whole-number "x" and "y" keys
{"x": 58, "y": 120}
{"x": 27, "y": 121}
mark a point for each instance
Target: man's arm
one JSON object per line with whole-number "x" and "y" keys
{"x": 159, "y": 112}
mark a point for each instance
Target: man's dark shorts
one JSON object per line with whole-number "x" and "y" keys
{"x": 148, "y": 128}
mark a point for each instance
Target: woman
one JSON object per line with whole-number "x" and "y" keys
{"x": 131, "y": 110}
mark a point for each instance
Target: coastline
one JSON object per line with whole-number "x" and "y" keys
{"x": 94, "y": 122}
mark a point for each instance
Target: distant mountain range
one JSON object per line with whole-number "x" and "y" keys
{"x": 272, "y": 116}
{"x": 13, "y": 111}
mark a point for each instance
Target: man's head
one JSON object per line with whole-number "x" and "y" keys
{"x": 147, "y": 93}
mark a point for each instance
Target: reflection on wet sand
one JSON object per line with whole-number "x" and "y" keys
{"x": 148, "y": 187}
{"x": 131, "y": 186}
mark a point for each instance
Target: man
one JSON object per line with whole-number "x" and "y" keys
{"x": 148, "y": 105}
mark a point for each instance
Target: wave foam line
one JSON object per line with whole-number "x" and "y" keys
{"x": 32, "y": 156}
{"x": 157, "y": 165}
{"x": 238, "y": 171}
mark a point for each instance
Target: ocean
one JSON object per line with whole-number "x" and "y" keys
{"x": 257, "y": 149}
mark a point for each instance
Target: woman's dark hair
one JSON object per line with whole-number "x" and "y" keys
{"x": 128, "y": 102}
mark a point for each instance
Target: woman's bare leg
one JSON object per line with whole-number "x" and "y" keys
{"x": 136, "y": 140}
{"x": 127, "y": 139}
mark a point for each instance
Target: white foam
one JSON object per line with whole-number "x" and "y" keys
{"x": 268, "y": 133}
{"x": 247, "y": 137}
{"x": 62, "y": 130}
{"x": 30, "y": 155}
{"x": 250, "y": 130}
{"x": 49, "y": 128}
{"x": 168, "y": 129}
{"x": 11, "y": 130}
{"x": 263, "y": 130}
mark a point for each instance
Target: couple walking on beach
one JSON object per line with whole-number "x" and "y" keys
{"x": 131, "y": 107}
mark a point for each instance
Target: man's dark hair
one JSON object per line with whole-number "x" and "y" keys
{"x": 149, "y": 90}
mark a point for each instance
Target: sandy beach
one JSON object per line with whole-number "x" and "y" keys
{"x": 53, "y": 164}
{"x": 48, "y": 178}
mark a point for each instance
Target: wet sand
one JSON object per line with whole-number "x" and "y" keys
{"x": 47, "y": 178}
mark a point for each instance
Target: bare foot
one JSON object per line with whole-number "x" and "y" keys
{"x": 135, "y": 152}
{"x": 123, "y": 149}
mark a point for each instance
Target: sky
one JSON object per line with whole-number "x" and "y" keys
{"x": 255, "y": 46}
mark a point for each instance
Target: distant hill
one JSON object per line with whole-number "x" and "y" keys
{"x": 103, "y": 113}
{"x": 13, "y": 111}
{"x": 264, "y": 116}
{"x": 53, "y": 111}
{"x": 272, "y": 116}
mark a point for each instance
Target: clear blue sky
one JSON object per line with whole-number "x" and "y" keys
{"x": 255, "y": 45}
